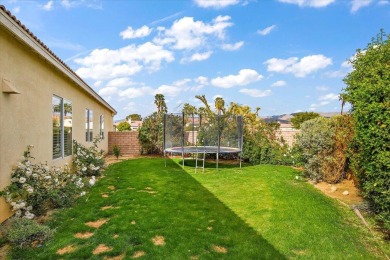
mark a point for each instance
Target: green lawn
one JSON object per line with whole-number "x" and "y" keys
{"x": 257, "y": 212}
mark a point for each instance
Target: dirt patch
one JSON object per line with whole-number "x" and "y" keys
{"x": 84, "y": 235}
{"x": 112, "y": 187}
{"x": 138, "y": 254}
{"x": 102, "y": 248}
{"x": 66, "y": 250}
{"x": 148, "y": 191}
{"x": 97, "y": 223}
{"x": 299, "y": 252}
{"x": 119, "y": 257}
{"x": 4, "y": 251}
{"x": 158, "y": 241}
{"x": 336, "y": 191}
{"x": 115, "y": 236}
{"x": 220, "y": 249}
{"x": 104, "y": 195}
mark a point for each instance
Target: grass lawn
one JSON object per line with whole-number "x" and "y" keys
{"x": 258, "y": 212}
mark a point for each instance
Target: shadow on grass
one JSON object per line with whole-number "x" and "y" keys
{"x": 212, "y": 163}
{"x": 243, "y": 237}
{"x": 149, "y": 200}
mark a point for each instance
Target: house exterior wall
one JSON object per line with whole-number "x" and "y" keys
{"x": 26, "y": 118}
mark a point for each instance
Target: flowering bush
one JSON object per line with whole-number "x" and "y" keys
{"x": 36, "y": 188}
{"x": 88, "y": 161}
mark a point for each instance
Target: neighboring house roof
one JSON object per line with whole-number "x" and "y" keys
{"x": 18, "y": 29}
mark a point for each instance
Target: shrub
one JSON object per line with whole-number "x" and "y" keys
{"x": 23, "y": 232}
{"x": 117, "y": 151}
{"x": 123, "y": 126}
{"x": 368, "y": 91}
{"x": 36, "y": 188}
{"x": 315, "y": 141}
{"x": 150, "y": 134}
{"x": 88, "y": 161}
{"x": 301, "y": 117}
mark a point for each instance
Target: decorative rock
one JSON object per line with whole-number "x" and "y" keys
{"x": 345, "y": 192}
{"x": 333, "y": 188}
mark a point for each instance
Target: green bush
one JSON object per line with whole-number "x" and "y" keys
{"x": 123, "y": 126}
{"x": 368, "y": 91}
{"x": 23, "y": 232}
{"x": 315, "y": 142}
{"x": 150, "y": 134}
{"x": 117, "y": 151}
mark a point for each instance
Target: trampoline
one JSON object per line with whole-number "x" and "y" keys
{"x": 200, "y": 135}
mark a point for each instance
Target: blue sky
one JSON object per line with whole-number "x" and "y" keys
{"x": 284, "y": 56}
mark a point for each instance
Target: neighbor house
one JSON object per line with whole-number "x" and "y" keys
{"x": 42, "y": 103}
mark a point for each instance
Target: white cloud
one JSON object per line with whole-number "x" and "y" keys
{"x": 170, "y": 91}
{"x": 105, "y": 64}
{"x": 309, "y": 3}
{"x": 256, "y": 92}
{"x": 16, "y": 10}
{"x": 120, "y": 82}
{"x": 48, "y": 6}
{"x": 181, "y": 83}
{"x": 322, "y": 88}
{"x": 330, "y": 96}
{"x": 95, "y": 4}
{"x": 232, "y": 46}
{"x": 279, "y": 83}
{"x": 300, "y": 68}
{"x": 244, "y": 77}
{"x": 197, "y": 57}
{"x": 217, "y": 4}
{"x": 130, "y": 33}
{"x": 108, "y": 91}
{"x": 136, "y": 92}
{"x": 202, "y": 80}
{"x": 383, "y": 2}
{"x": 131, "y": 106}
{"x": 267, "y": 30}
{"x": 187, "y": 34}
{"x": 314, "y": 107}
{"x": 357, "y": 4}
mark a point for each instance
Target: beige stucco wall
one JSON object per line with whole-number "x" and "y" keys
{"x": 26, "y": 118}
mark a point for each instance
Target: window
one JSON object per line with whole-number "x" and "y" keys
{"x": 101, "y": 130}
{"x": 88, "y": 125}
{"x": 62, "y": 127}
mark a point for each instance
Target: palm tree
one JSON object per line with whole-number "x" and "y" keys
{"x": 207, "y": 109}
{"x": 189, "y": 109}
{"x": 159, "y": 101}
{"x": 220, "y": 105}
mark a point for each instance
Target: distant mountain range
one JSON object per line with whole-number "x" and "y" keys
{"x": 286, "y": 118}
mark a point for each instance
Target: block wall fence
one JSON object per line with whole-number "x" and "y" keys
{"x": 126, "y": 141}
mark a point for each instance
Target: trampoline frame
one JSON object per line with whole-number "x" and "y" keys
{"x": 203, "y": 149}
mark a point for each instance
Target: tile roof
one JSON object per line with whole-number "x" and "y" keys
{"x": 13, "y": 17}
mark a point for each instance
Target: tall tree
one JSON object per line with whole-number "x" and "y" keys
{"x": 301, "y": 117}
{"x": 368, "y": 92}
{"x": 134, "y": 117}
{"x": 159, "y": 101}
{"x": 207, "y": 108}
{"x": 220, "y": 105}
{"x": 189, "y": 109}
